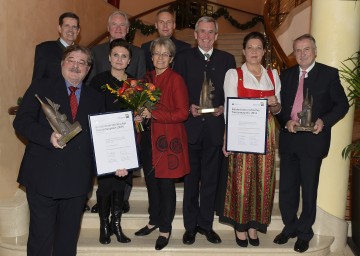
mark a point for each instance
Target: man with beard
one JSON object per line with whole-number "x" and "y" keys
{"x": 58, "y": 178}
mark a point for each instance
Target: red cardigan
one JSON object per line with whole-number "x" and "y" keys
{"x": 170, "y": 155}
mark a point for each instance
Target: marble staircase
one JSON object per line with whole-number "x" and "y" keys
{"x": 14, "y": 236}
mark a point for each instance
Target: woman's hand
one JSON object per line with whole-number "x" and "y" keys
{"x": 146, "y": 114}
{"x": 272, "y": 101}
{"x": 138, "y": 119}
{"x": 121, "y": 172}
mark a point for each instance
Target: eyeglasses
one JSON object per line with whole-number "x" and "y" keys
{"x": 68, "y": 27}
{"x": 163, "y": 55}
{"x": 80, "y": 63}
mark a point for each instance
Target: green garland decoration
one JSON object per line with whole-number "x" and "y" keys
{"x": 221, "y": 12}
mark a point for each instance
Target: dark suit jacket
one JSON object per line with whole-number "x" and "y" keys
{"x": 180, "y": 46}
{"x": 136, "y": 68}
{"x": 330, "y": 104}
{"x": 47, "y": 63}
{"x": 191, "y": 65}
{"x": 58, "y": 173}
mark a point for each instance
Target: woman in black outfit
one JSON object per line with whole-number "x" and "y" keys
{"x": 110, "y": 192}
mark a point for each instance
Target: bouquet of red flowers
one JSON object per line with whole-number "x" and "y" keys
{"x": 136, "y": 95}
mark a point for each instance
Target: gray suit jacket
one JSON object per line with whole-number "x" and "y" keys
{"x": 136, "y": 68}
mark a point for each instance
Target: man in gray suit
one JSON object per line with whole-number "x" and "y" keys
{"x": 118, "y": 27}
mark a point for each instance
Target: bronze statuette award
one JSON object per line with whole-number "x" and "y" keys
{"x": 206, "y": 97}
{"x": 59, "y": 121}
{"x": 305, "y": 115}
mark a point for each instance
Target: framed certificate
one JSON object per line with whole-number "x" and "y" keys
{"x": 114, "y": 141}
{"x": 246, "y": 125}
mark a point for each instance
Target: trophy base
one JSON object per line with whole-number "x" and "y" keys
{"x": 304, "y": 129}
{"x": 206, "y": 110}
{"x": 73, "y": 131}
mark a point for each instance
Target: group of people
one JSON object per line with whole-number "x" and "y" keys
{"x": 178, "y": 141}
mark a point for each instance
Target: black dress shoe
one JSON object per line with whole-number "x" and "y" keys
{"x": 189, "y": 236}
{"x": 253, "y": 242}
{"x": 126, "y": 206}
{"x": 161, "y": 242}
{"x": 211, "y": 236}
{"x": 145, "y": 231}
{"x": 282, "y": 238}
{"x": 95, "y": 208}
{"x": 301, "y": 245}
{"x": 241, "y": 243}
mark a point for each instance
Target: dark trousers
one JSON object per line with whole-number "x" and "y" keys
{"x": 161, "y": 191}
{"x": 299, "y": 171}
{"x": 54, "y": 224}
{"x": 200, "y": 185}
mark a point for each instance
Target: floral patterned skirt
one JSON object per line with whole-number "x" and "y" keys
{"x": 250, "y": 186}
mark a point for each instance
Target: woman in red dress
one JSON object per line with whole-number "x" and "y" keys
{"x": 164, "y": 144}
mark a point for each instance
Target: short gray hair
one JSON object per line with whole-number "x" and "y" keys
{"x": 207, "y": 19}
{"x": 165, "y": 42}
{"x": 119, "y": 13}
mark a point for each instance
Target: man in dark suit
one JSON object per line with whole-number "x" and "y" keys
{"x": 165, "y": 25}
{"x": 118, "y": 27}
{"x": 48, "y": 54}
{"x": 301, "y": 153}
{"x": 57, "y": 178}
{"x": 205, "y": 131}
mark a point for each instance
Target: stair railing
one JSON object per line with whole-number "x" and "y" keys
{"x": 275, "y": 12}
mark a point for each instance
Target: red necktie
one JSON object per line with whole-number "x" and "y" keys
{"x": 299, "y": 98}
{"x": 73, "y": 101}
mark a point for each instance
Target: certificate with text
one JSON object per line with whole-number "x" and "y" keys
{"x": 114, "y": 141}
{"x": 246, "y": 125}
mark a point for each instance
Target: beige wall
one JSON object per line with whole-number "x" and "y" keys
{"x": 24, "y": 24}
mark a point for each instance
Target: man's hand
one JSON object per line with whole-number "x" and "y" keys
{"x": 291, "y": 124}
{"x": 194, "y": 110}
{"x": 319, "y": 126}
{"x": 219, "y": 111}
{"x": 54, "y": 140}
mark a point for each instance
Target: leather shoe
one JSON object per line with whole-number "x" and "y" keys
{"x": 211, "y": 236}
{"x": 241, "y": 243}
{"x": 282, "y": 238}
{"x": 301, "y": 245}
{"x": 161, "y": 242}
{"x": 253, "y": 242}
{"x": 189, "y": 236}
{"x": 126, "y": 206}
{"x": 145, "y": 231}
{"x": 95, "y": 208}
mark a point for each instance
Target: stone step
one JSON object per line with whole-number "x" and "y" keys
{"x": 138, "y": 217}
{"x": 89, "y": 245}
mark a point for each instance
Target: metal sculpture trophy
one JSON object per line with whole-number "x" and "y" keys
{"x": 305, "y": 115}
{"x": 206, "y": 97}
{"x": 59, "y": 122}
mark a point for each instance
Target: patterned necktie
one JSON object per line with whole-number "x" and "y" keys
{"x": 299, "y": 98}
{"x": 207, "y": 56}
{"x": 73, "y": 101}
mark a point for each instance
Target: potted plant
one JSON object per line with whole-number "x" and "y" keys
{"x": 350, "y": 72}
